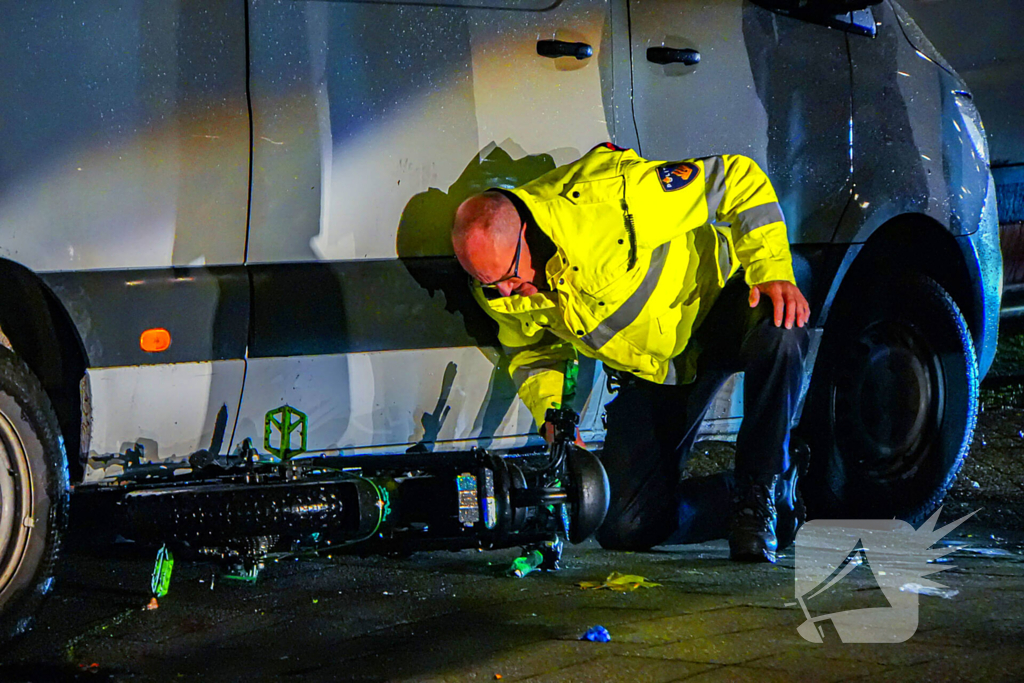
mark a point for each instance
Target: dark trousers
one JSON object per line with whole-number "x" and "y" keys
{"x": 651, "y": 427}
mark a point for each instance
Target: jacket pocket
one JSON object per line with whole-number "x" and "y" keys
{"x": 611, "y": 290}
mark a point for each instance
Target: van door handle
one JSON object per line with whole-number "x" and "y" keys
{"x": 561, "y": 48}
{"x": 670, "y": 55}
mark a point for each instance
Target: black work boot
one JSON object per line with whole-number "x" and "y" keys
{"x": 752, "y": 524}
{"x": 788, "y": 503}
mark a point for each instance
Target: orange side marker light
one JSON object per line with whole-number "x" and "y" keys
{"x": 155, "y": 340}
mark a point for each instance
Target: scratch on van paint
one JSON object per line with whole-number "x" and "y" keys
{"x": 271, "y": 141}
{"x": 208, "y": 137}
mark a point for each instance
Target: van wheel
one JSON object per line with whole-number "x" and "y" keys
{"x": 34, "y": 494}
{"x": 893, "y": 405}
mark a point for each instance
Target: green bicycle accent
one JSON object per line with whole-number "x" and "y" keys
{"x": 286, "y": 420}
{"x": 384, "y": 504}
{"x": 572, "y": 372}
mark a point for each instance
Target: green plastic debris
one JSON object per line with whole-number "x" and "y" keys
{"x": 240, "y": 573}
{"x": 530, "y": 562}
{"x": 161, "y": 582}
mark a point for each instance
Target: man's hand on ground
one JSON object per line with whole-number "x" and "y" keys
{"x": 787, "y": 299}
{"x": 548, "y": 432}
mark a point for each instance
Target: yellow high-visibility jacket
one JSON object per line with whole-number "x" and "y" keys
{"x": 638, "y": 263}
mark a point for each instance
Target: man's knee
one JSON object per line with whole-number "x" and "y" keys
{"x": 793, "y": 343}
{"x": 779, "y": 342}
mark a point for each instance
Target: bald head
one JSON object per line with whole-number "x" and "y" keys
{"x": 485, "y": 234}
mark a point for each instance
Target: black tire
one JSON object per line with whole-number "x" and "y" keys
{"x": 34, "y": 494}
{"x": 892, "y": 406}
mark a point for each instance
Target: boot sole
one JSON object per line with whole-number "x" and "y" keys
{"x": 748, "y": 555}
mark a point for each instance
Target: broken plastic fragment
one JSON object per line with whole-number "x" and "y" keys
{"x": 989, "y": 552}
{"x": 530, "y": 562}
{"x": 243, "y": 575}
{"x": 597, "y": 634}
{"x": 937, "y": 591}
{"x": 619, "y": 582}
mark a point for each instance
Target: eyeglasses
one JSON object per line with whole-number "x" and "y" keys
{"x": 515, "y": 264}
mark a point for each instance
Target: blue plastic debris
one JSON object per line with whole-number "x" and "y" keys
{"x": 597, "y": 634}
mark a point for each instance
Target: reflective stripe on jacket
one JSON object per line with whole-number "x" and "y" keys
{"x": 642, "y": 250}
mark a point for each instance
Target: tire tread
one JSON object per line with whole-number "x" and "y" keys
{"x": 18, "y": 381}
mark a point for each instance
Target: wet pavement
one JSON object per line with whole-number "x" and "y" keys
{"x": 458, "y": 617}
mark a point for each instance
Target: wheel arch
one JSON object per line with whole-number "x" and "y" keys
{"x": 913, "y": 243}
{"x": 41, "y": 332}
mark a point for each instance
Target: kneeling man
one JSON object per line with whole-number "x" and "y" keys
{"x": 675, "y": 276}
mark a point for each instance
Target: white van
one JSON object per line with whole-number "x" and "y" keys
{"x": 224, "y": 233}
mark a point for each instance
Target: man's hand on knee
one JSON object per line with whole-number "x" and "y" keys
{"x": 787, "y": 300}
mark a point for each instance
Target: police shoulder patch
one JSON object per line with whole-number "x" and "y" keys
{"x": 678, "y": 175}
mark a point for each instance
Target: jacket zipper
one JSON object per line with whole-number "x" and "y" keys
{"x": 631, "y": 231}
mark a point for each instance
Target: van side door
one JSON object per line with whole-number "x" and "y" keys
{"x": 775, "y": 88}
{"x": 372, "y": 122}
